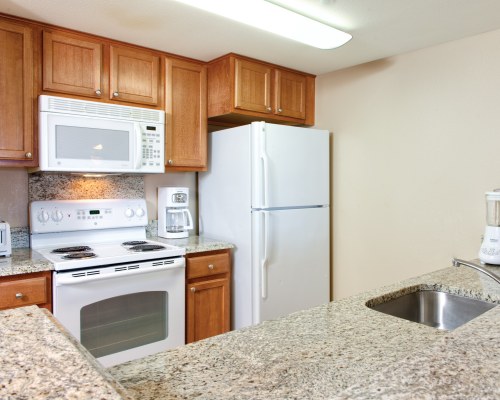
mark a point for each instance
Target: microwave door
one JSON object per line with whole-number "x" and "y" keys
{"x": 84, "y": 144}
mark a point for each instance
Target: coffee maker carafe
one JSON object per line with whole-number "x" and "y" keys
{"x": 174, "y": 218}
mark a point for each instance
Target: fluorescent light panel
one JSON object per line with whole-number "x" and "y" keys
{"x": 275, "y": 19}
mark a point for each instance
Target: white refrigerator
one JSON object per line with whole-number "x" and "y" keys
{"x": 267, "y": 191}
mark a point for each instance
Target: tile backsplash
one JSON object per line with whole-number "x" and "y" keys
{"x": 74, "y": 187}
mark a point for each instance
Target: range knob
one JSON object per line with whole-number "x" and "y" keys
{"x": 57, "y": 216}
{"x": 129, "y": 213}
{"x": 140, "y": 212}
{"x": 43, "y": 216}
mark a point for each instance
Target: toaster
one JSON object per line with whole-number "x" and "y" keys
{"x": 5, "y": 242}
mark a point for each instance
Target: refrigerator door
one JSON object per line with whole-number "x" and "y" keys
{"x": 290, "y": 166}
{"x": 290, "y": 261}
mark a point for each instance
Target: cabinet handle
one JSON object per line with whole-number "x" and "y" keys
{"x": 19, "y": 295}
{"x": 193, "y": 289}
{"x": 279, "y": 110}
{"x": 210, "y": 266}
{"x": 268, "y": 108}
{"x": 115, "y": 94}
{"x": 170, "y": 162}
{"x": 98, "y": 92}
{"x": 28, "y": 155}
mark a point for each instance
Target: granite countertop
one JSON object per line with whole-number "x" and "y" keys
{"x": 40, "y": 360}
{"x": 342, "y": 350}
{"x": 25, "y": 260}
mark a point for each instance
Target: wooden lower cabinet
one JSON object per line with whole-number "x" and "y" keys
{"x": 26, "y": 290}
{"x": 208, "y": 294}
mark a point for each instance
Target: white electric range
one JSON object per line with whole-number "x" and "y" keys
{"x": 121, "y": 295}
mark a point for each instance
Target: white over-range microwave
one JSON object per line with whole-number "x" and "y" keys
{"x": 91, "y": 137}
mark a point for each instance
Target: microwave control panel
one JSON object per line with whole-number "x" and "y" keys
{"x": 152, "y": 146}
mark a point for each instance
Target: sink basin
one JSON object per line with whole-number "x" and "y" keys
{"x": 434, "y": 308}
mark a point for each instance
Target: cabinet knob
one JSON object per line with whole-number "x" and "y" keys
{"x": 279, "y": 109}
{"x": 210, "y": 266}
{"x": 98, "y": 92}
{"x": 193, "y": 289}
{"x": 115, "y": 94}
{"x": 28, "y": 155}
{"x": 19, "y": 295}
{"x": 170, "y": 162}
{"x": 268, "y": 108}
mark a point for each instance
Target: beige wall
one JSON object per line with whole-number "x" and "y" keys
{"x": 416, "y": 145}
{"x": 14, "y": 196}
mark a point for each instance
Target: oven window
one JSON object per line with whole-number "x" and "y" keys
{"x": 124, "y": 322}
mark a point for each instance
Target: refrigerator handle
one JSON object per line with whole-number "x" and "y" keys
{"x": 265, "y": 170}
{"x": 264, "y": 260}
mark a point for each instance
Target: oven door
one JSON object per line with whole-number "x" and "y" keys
{"x": 123, "y": 312}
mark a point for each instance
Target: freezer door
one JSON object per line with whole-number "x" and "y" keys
{"x": 291, "y": 261}
{"x": 290, "y": 166}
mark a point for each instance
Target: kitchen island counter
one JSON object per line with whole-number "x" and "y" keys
{"x": 39, "y": 359}
{"x": 342, "y": 350}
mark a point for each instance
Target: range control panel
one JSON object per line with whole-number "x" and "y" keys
{"x": 76, "y": 215}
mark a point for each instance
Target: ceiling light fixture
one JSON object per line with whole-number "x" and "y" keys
{"x": 278, "y": 20}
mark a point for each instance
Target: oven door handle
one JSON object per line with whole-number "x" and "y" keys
{"x": 90, "y": 275}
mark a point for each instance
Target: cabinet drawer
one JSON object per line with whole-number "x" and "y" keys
{"x": 207, "y": 265}
{"x": 23, "y": 292}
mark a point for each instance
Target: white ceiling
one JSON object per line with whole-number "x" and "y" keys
{"x": 380, "y": 28}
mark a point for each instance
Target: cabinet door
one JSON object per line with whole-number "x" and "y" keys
{"x": 207, "y": 306}
{"x": 134, "y": 76}
{"x": 252, "y": 86}
{"x": 16, "y": 99}
{"x": 71, "y": 65}
{"x": 186, "y": 107}
{"x": 290, "y": 89}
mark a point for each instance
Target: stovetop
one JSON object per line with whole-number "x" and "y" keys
{"x": 84, "y": 255}
{"x": 96, "y": 231}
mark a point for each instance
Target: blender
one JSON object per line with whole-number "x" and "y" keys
{"x": 489, "y": 252}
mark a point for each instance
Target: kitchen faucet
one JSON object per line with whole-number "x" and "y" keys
{"x": 457, "y": 262}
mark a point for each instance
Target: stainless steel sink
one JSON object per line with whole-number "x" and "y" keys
{"x": 434, "y": 308}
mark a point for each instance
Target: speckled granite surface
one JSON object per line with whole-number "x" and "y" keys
{"x": 26, "y": 260}
{"x": 45, "y": 186}
{"x": 39, "y": 360}
{"x": 341, "y": 350}
{"x": 196, "y": 244}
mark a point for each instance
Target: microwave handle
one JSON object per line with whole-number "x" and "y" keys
{"x": 138, "y": 145}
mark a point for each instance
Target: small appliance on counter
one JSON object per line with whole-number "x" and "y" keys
{"x": 489, "y": 252}
{"x": 174, "y": 218}
{"x": 5, "y": 241}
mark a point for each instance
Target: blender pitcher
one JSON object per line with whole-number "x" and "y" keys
{"x": 489, "y": 253}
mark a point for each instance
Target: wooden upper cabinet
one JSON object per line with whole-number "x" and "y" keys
{"x": 241, "y": 90}
{"x": 186, "y": 109}
{"x": 134, "y": 75}
{"x": 252, "y": 86}
{"x": 290, "y": 90}
{"x": 17, "y": 95}
{"x": 72, "y": 65}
